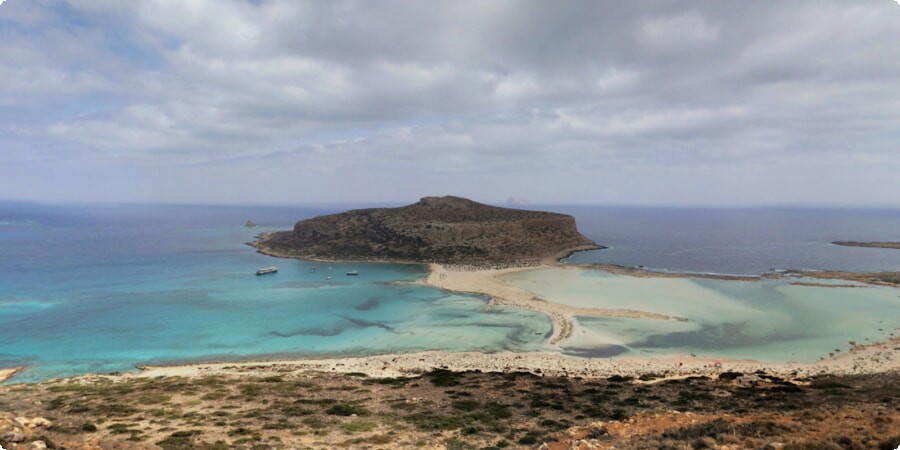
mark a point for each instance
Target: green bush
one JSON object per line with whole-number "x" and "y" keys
{"x": 347, "y": 410}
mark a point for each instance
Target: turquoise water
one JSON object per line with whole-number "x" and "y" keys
{"x": 769, "y": 320}
{"x": 100, "y": 289}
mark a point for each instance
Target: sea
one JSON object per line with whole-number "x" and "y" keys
{"x": 99, "y": 288}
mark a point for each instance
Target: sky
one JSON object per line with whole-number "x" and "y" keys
{"x": 578, "y": 102}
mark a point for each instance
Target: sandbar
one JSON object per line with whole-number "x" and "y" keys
{"x": 488, "y": 282}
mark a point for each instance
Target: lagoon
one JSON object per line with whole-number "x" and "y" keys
{"x": 766, "y": 320}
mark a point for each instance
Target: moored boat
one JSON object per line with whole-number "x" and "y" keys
{"x": 352, "y": 273}
{"x": 266, "y": 270}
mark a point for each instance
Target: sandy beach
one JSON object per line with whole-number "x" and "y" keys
{"x": 873, "y": 358}
{"x": 488, "y": 282}
{"x": 6, "y": 374}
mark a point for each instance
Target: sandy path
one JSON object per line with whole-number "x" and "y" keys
{"x": 488, "y": 282}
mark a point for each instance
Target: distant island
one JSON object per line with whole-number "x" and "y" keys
{"x": 446, "y": 230}
{"x": 894, "y": 245}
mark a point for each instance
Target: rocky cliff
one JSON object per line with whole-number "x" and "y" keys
{"x": 450, "y": 230}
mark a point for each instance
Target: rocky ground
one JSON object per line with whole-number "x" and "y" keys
{"x": 266, "y": 407}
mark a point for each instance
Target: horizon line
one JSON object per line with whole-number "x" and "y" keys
{"x": 798, "y": 205}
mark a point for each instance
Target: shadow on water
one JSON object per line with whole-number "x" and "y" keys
{"x": 369, "y": 304}
{"x": 366, "y": 323}
{"x": 715, "y": 337}
{"x": 305, "y": 284}
{"x": 310, "y": 331}
{"x": 605, "y": 351}
{"x": 333, "y": 330}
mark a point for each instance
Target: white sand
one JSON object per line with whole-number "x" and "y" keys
{"x": 6, "y": 374}
{"x": 488, "y": 282}
{"x": 875, "y": 358}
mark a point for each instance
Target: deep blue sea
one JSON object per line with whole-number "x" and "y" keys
{"x": 747, "y": 241}
{"x": 100, "y": 288}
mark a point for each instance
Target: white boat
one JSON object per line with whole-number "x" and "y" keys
{"x": 352, "y": 273}
{"x": 266, "y": 270}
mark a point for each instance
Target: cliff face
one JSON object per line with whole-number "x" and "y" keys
{"x": 449, "y": 230}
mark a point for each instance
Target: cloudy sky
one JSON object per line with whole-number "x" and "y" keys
{"x": 282, "y": 101}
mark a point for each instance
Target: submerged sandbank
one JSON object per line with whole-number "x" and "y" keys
{"x": 489, "y": 282}
{"x": 770, "y": 319}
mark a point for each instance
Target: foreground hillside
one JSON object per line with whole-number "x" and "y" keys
{"x": 269, "y": 408}
{"x": 449, "y": 230}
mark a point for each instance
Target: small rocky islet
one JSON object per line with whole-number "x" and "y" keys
{"x": 447, "y": 230}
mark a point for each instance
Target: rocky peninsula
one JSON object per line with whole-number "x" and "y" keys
{"x": 893, "y": 245}
{"x": 446, "y": 230}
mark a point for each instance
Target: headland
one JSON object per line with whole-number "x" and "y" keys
{"x": 893, "y": 245}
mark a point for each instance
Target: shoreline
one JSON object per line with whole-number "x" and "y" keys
{"x": 879, "y": 357}
{"x": 6, "y": 374}
{"x": 884, "y": 278}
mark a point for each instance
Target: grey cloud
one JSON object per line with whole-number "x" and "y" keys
{"x": 459, "y": 90}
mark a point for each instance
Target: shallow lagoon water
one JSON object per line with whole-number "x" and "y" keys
{"x": 104, "y": 289}
{"x": 769, "y": 320}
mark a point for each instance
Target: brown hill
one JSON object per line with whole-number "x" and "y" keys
{"x": 449, "y": 230}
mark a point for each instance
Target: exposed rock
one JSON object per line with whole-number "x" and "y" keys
{"x": 449, "y": 230}
{"x": 34, "y": 422}
{"x": 36, "y": 445}
{"x": 11, "y": 431}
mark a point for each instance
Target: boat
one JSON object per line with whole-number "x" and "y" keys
{"x": 352, "y": 273}
{"x": 266, "y": 270}
{"x": 328, "y": 278}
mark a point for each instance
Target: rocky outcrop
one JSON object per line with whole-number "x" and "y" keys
{"x": 22, "y": 432}
{"x": 449, "y": 230}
